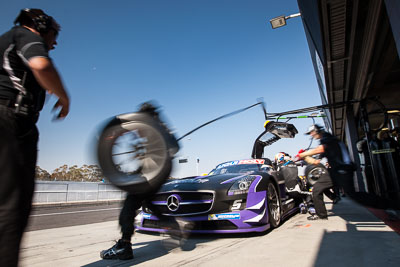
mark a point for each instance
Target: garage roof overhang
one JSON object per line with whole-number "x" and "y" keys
{"x": 360, "y": 55}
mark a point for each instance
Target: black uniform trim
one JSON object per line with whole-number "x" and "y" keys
{"x": 17, "y": 47}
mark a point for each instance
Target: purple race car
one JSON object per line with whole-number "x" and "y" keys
{"x": 237, "y": 196}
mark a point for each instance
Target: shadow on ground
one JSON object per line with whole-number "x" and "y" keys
{"x": 146, "y": 251}
{"x": 364, "y": 243}
{"x": 151, "y": 250}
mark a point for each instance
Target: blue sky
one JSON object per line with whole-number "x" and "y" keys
{"x": 198, "y": 59}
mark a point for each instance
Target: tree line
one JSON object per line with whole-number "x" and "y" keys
{"x": 85, "y": 173}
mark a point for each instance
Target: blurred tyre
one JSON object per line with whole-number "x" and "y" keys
{"x": 315, "y": 172}
{"x": 134, "y": 155}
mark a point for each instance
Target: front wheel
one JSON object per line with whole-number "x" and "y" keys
{"x": 274, "y": 205}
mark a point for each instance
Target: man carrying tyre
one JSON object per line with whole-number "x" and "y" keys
{"x": 139, "y": 194}
{"x": 26, "y": 73}
{"x": 339, "y": 172}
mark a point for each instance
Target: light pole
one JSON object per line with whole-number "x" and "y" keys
{"x": 281, "y": 20}
{"x": 197, "y": 166}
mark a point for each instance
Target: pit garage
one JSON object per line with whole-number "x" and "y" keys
{"x": 354, "y": 46}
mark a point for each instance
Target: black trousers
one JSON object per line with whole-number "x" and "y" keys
{"x": 323, "y": 185}
{"x": 18, "y": 155}
{"x": 128, "y": 213}
{"x": 131, "y": 208}
{"x": 332, "y": 195}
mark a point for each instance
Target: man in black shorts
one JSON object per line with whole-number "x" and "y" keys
{"x": 26, "y": 73}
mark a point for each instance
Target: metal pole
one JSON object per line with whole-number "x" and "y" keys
{"x": 367, "y": 131}
{"x": 293, "y": 16}
{"x": 66, "y": 194}
{"x": 197, "y": 166}
{"x": 352, "y": 138}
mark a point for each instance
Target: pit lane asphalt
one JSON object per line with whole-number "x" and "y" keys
{"x": 56, "y": 216}
{"x": 353, "y": 236}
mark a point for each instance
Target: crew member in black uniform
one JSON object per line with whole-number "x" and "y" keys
{"x": 176, "y": 228}
{"x": 339, "y": 172}
{"x": 26, "y": 73}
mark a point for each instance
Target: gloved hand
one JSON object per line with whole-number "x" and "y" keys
{"x": 297, "y": 157}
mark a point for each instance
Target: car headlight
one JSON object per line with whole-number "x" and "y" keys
{"x": 241, "y": 186}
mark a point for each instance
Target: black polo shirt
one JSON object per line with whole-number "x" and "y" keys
{"x": 17, "y": 47}
{"x": 332, "y": 149}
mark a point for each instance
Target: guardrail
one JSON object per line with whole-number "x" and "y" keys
{"x": 47, "y": 192}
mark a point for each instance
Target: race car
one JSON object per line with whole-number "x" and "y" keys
{"x": 237, "y": 196}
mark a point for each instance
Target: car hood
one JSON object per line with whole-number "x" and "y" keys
{"x": 212, "y": 182}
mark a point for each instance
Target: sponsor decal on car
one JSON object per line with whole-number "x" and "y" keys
{"x": 224, "y": 216}
{"x": 252, "y": 161}
{"x": 244, "y": 161}
{"x": 146, "y": 215}
{"x": 226, "y": 164}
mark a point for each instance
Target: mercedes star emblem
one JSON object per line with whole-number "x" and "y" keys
{"x": 173, "y": 202}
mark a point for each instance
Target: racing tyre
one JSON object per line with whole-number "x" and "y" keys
{"x": 314, "y": 172}
{"x": 274, "y": 205}
{"x": 134, "y": 156}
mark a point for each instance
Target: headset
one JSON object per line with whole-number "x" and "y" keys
{"x": 41, "y": 22}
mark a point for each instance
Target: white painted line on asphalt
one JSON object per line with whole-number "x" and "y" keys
{"x": 71, "y": 212}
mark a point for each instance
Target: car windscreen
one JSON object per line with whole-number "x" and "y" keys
{"x": 241, "y": 168}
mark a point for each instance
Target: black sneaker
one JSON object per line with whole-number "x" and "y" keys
{"x": 122, "y": 250}
{"x": 316, "y": 217}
